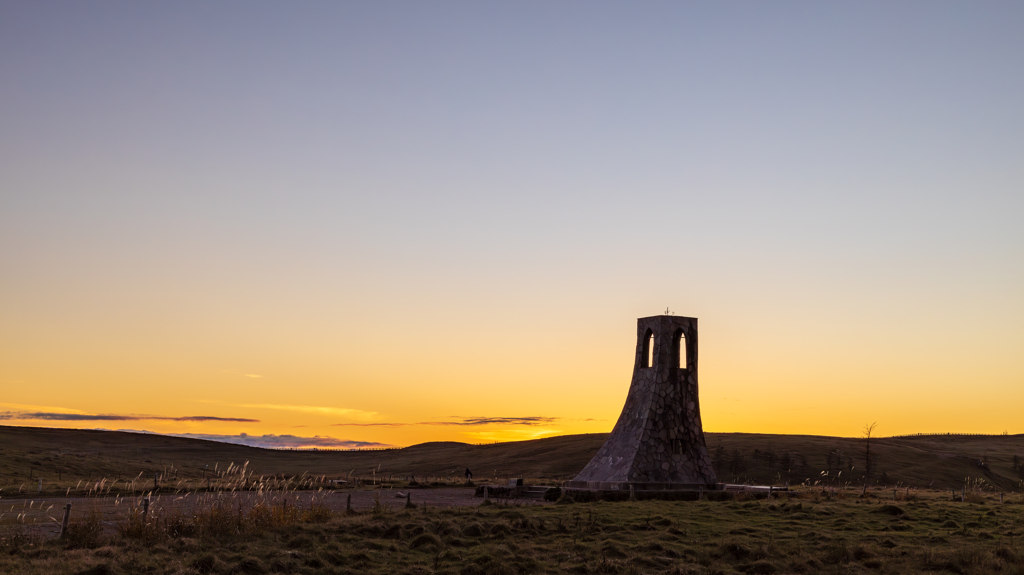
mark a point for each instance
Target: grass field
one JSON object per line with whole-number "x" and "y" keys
{"x": 264, "y": 511}
{"x": 812, "y": 533}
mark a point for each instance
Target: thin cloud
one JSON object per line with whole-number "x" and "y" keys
{"x": 336, "y": 411}
{"x": 209, "y": 418}
{"x": 467, "y": 421}
{"x": 49, "y": 408}
{"x": 372, "y": 424}
{"x": 533, "y": 420}
{"x": 237, "y": 372}
{"x": 49, "y": 416}
{"x": 510, "y": 434}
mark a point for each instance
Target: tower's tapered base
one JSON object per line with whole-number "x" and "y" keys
{"x": 658, "y": 442}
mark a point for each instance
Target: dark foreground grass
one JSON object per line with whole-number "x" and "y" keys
{"x": 812, "y": 534}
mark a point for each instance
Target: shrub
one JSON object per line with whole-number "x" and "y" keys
{"x": 134, "y": 527}
{"x": 13, "y": 538}
{"x": 86, "y": 533}
{"x": 180, "y": 525}
{"x": 318, "y": 513}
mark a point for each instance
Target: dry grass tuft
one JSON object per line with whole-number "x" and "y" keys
{"x": 84, "y": 533}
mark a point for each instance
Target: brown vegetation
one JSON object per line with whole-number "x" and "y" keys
{"x": 265, "y": 511}
{"x": 813, "y": 532}
{"x": 79, "y": 459}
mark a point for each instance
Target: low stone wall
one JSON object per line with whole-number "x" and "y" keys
{"x": 585, "y": 495}
{"x": 641, "y": 486}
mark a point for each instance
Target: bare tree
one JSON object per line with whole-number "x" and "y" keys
{"x": 868, "y": 431}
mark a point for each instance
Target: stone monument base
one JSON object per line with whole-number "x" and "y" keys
{"x": 622, "y": 490}
{"x": 639, "y": 486}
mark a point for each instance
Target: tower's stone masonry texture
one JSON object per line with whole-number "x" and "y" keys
{"x": 658, "y": 441}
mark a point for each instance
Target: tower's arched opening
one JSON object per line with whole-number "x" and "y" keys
{"x": 647, "y": 353}
{"x": 679, "y": 349}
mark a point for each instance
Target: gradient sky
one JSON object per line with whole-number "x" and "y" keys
{"x": 393, "y": 222}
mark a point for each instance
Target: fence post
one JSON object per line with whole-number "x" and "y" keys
{"x": 145, "y": 509}
{"x": 40, "y": 485}
{"x": 64, "y": 522}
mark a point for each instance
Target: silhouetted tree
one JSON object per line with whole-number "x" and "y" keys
{"x": 868, "y": 431}
{"x": 835, "y": 459}
{"x": 737, "y": 465}
{"x": 719, "y": 459}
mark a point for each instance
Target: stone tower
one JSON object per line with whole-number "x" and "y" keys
{"x": 658, "y": 441}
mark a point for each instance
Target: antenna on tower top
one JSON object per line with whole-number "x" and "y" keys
{"x": 669, "y": 312}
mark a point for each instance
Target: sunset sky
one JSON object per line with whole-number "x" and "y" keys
{"x": 384, "y": 223}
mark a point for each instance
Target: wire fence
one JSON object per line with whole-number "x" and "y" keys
{"x": 948, "y": 434}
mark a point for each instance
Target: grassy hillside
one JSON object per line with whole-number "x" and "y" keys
{"x": 939, "y": 461}
{"x": 27, "y": 454}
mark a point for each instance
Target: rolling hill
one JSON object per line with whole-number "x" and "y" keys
{"x": 938, "y": 461}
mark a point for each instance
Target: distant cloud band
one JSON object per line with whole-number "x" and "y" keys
{"x": 372, "y": 424}
{"x": 48, "y": 416}
{"x": 532, "y": 420}
{"x": 503, "y": 420}
{"x": 271, "y": 441}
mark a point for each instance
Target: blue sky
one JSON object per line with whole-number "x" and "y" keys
{"x": 192, "y": 189}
